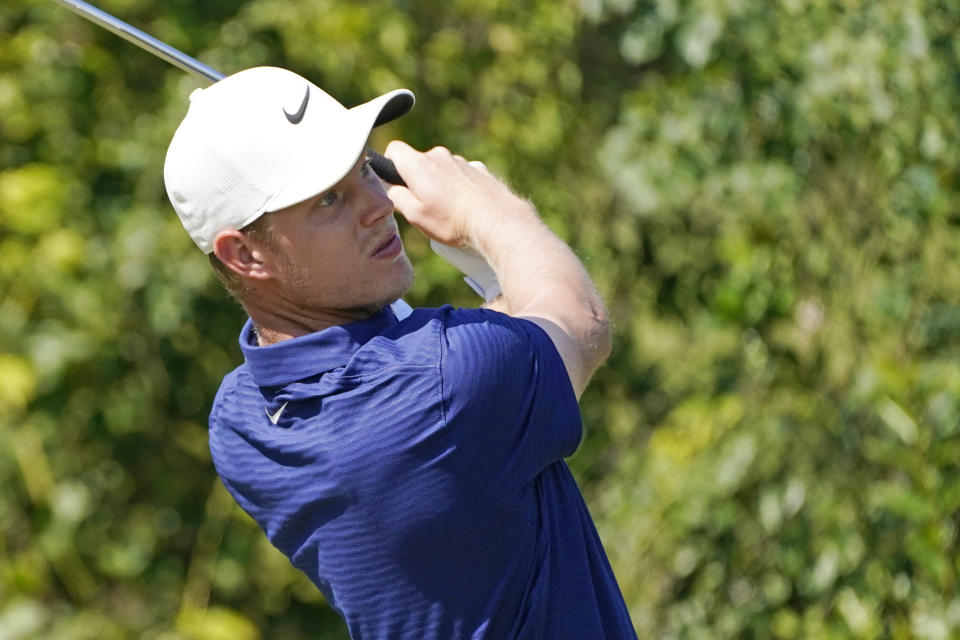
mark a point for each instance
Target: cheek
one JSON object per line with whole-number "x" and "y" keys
{"x": 331, "y": 258}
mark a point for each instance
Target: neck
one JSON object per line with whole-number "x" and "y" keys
{"x": 279, "y": 323}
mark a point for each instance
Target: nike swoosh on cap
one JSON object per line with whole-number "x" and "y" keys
{"x": 275, "y": 418}
{"x": 295, "y": 118}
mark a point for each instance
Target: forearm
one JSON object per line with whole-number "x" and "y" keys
{"x": 541, "y": 277}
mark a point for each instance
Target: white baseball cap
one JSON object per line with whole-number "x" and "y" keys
{"x": 261, "y": 140}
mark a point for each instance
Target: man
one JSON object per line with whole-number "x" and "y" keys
{"x": 413, "y": 469}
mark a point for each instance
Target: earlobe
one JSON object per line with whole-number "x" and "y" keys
{"x": 235, "y": 250}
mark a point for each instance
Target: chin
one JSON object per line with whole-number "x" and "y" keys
{"x": 399, "y": 291}
{"x": 389, "y": 295}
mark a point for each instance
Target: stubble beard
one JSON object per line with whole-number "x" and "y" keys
{"x": 343, "y": 298}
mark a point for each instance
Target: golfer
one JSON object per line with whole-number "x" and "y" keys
{"x": 412, "y": 468}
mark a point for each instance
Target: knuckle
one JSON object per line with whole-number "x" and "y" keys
{"x": 439, "y": 152}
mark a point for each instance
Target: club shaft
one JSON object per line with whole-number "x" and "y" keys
{"x": 143, "y": 40}
{"x": 381, "y": 165}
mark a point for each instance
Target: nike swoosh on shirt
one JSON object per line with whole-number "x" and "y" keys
{"x": 295, "y": 118}
{"x": 275, "y": 418}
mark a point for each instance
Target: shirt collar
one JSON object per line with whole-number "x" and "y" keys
{"x": 297, "y": 358}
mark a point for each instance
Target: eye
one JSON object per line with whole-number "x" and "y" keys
{"x": 328, "y": 199}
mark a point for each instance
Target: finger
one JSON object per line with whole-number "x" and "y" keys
{"x": 400, "y": 153}
{"x": 405, "y": 202}
{"x": 439, "y": 151}
{"x": 410, "y": 163}
{"x": 476, "y": 164}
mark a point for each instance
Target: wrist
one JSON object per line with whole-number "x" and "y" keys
{"x": 487, "y": 227}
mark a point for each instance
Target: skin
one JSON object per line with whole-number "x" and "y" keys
{"x": 542, "y": 280}
{"x": 320, "y": 267}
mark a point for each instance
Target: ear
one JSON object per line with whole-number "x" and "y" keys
{"x": 241, "y": 255}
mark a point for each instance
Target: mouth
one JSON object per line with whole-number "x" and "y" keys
{"x": 389, "y": 246}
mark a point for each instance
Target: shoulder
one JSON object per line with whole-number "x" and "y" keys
{"x": 229, "y": 386}
{"x": 504, "y": 354}
{"x": 428, "y": 334}
{"x": 486, "y": 330}
{"x": 232, "y": 402}
{"x": 486, "y": 352}
{"x": 238, "y": 408}
{"x": 505, "y": 387}
{"x": 486, "y": 334}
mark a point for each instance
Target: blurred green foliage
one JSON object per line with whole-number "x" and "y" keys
{"x": 765, "y": 192}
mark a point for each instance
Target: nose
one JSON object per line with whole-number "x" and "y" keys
{"x": 373, "y": 203}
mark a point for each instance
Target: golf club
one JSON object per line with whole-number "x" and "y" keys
{"x": 479, "y": 275}
{"x": 382, "y": 166}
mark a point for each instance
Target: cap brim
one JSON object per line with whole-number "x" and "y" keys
{"x": 390, "y": 106}
{"x": 340, "y": 147}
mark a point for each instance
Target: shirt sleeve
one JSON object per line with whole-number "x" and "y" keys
{"x": 507, "y": 396}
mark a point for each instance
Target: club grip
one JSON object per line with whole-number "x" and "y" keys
{"x": 385, "y": 168}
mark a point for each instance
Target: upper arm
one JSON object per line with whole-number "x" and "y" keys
{"x": 582, "y": 339}
{"x": 570, "y": 351}
{"x": 580, "y": 333}
{"x": 504, "y": 378}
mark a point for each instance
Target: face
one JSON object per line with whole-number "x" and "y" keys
{"x": 339, "y": 251}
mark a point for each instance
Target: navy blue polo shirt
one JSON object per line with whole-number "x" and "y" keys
{"x": 414, "y": 471}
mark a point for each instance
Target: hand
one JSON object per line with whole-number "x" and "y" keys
{"x": 447, "y": 198}
{"x": 541, "y": 278}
